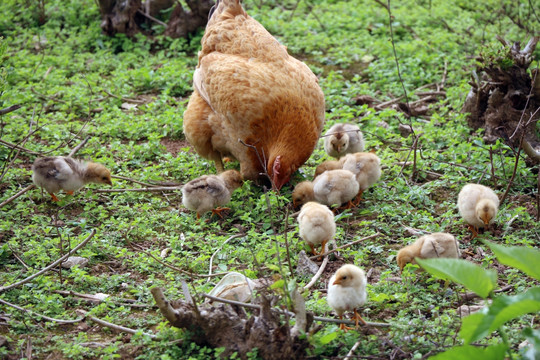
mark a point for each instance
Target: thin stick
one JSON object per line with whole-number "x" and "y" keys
{"x": 353, "y": 349}
{"x": 157, "y": 188}
{"x": 78, "y": 147}
{"x": 182, "y": 270}
{"x": 89, "y": 298}
{"x": 134, "y": 181}
{"x": 28, "y": 188}
{"x": 515, "y": 170}
{"x": 114, "y": 326}
{"x": 124, "y": 99}
{"x": 317, "y": 275}
{"x": 14, "y": 146}
{"x": 287, "y": 241}
{"x": 60, "y": 321}
{"x": 151, "y": 17}
{"x": 219, "y": 248}
{"x": 345, "y": 246}
{"x": 9, "y": 109}
{"x": 317, "y": 318}
{"x": 53, "y": 265}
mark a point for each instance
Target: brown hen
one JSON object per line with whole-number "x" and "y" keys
{"x": 248, "y": 89}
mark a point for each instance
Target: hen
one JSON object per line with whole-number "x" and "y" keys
{"x": 248, "y": 89}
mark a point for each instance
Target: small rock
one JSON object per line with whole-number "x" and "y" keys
{"x": 466, "y": 310}
{"x": 305, "y": 265}
{"x": 75, "y": 260}
{"x": 405, "y": 130}
{"x": 165, "y": 252}
{"x": 383, "y": 124}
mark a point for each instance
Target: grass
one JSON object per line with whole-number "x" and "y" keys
{"x": 72, "y": 81}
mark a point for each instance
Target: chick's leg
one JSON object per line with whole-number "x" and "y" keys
{"x": 343, "y": 326}
{"x": 312, "y": 249}
{"x": 217, "y": 211}
{"x": 323, "y": 246}
{"x": 474, "y": 231}
{"x": 358, "y": 198}
{"x": 357, "y": 318}
{"x": 69, "y": 192}
{"x": 54, "y": 198}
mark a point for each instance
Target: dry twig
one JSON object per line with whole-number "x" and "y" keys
{"x": 345, "y": 246}
{"x": 114, "y": 326}
{"x": 51, "y": 266}
{"x": 28, "y": 188}
{"x": 60, "y": 321}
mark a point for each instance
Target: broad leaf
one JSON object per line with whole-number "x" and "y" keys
{"x": 494, "y": 352}
{"x": 328, "y": 337}
{"x": 472, "y": 276}
{"x": 532, "y": 352}
{"x": 503, "y": 309}
{"x": 521, "y": 257}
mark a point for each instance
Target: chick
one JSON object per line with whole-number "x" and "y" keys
{"x": 333, "y": 187}
{"x": 327, "y": 165}
{"x": 478, "y": 205}
{"x": 436, "y": 245}
{"x": 316, "y": 225}
{"x": 347, "y": 291}
{"x": 209, "y": 192}
{"x": 367, "y": 168}
{"x": 55, "y": 173}
{"x": 343, "y": 139}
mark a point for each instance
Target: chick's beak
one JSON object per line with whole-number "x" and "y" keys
{"x": 485, "y": 219}
{"x": 337, "y": 282}
{"x": 109, "y": 182}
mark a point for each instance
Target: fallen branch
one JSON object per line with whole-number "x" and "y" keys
{"x": 9, "y": 109}
{"x": 28, "y": 188}
{"x": 317, "y": 318}
{"x": 317, "y": 275}
{"x": 182, "y": 270}
{"x": 471, "y": 295}
{"x": 93, "y": 299}
{"x": 60, "y": 321}
{"x": 14, "y": 146}
{"x": 345, "y": 246}
{"x": 157, "y": 188}
{"x": 114, "y": 326}
{"x": 78, "y": 147}
{"x": 53, "y": 265}
{"x": 137, "y": 181}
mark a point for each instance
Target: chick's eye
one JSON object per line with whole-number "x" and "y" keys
{"x": 344, "y": 278}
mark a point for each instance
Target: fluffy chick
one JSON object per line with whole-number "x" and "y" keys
{"x": 478, "y": 205}
{"x": 55, "y": 173}
{"x": 333, "y": 187}
{"x": 316, "y": 225}
{"x": 442, "y": 245}
{"x": 367, "y": 168}
{"x": 327, "y": 165}
{"x": 347, "y": 291}
{"x": 343, "y": 139}
{"x": 210, "y": 192}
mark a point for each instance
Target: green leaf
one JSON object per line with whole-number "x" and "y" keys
{"x": 472, "y": 276}
{"x": 469, "y": 326}
{"x": 328, "y": 337}
{"x": 533, "y": 350}
{"x": 521, "y": 257}
{"x": 494, "y": 352}
{"x": 278, "y": 284}
{"x": 502, "y": 310}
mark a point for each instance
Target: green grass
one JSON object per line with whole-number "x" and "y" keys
{"x": 72, "y": 80}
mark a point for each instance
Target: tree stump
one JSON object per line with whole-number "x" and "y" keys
{"x": 505, "y": 98}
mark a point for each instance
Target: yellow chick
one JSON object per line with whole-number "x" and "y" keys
{"x": 333, "y": 187}
{"x": 210, "y": 192}
{"x": 478, "y": 205}
{"x": 436, "y": 245}
{"x": 343, "y": 139}
{"x": 316, "y": 225}
{"x": 347, "y": 291}
{"x": 327, "y": 165}
{"x": 367, "y": 168}
{"x": 55, "y": 173}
